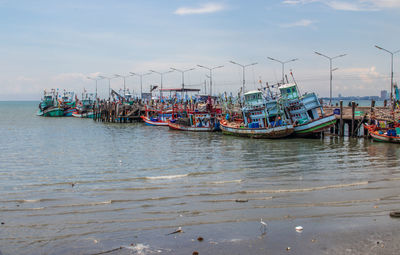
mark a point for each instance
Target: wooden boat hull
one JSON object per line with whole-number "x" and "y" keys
{"x": 384, "y": 138}
{"x": 69, "y": 112}
{"x": 89, "y": 115}
{"x": 153, "y": 123}
{"x": 315, "y": 126}
{"x": 51, "y": 112}
{"x": 270, "y": 133}
{"x": 179, "y": 127}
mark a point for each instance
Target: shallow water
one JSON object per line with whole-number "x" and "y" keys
{"x": 135, "y": 184}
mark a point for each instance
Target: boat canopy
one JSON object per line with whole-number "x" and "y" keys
{"x": 289, "y": 91}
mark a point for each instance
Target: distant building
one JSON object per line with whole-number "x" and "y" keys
{"x": 340, "y": 95}
{"x": 384, "y": 94}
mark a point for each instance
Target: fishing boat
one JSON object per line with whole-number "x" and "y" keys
{"x": 157, "y": 116}
{"x": 384, "y": 134}
{"x": 68, "y": 103}
{"x": 201, "y": 116}
{"x": 49, "y": 105}
{"x": 160, "y": 113}
{"x": 305, "y": 111}
{"x": 261, "y": 119}
{"x": 84, "y": 107}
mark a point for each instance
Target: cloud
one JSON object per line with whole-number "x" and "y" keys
{"x": 70, "y": 77}
{"x": 205, "y": 8}
{"x": 347, "y": 5}
{"x": 366, "y": 74}
{"x": 300, "y": 23}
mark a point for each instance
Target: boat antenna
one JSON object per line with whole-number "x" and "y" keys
{"x": 287, "y": 81}
{"x": 295, "y": 83}
{"x": 269, "y": 90}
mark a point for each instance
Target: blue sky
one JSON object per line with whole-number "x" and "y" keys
{"x": 57, "y": 44}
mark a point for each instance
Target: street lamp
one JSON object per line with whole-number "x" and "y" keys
{"x": 123, "y": 77}
{"x": 161, "y": 77}
{"x": 243, "y": 66}
{"x": 330, "y": 70}
{"x": 183, "y": 77}
{"x": 391, "y": 73}
{"x": 94, "y": 79}
{"x": 141, "y": 80}
{"x": 283, "y": 66}
{"x": 109, "y": 84}
{"x": 210, "y": 69}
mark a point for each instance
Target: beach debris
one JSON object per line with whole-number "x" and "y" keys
{"x": 178, "y": 230}
{"x": 72, "y": 185}
{"x": 299, "y": 229}
{"x": 109, "y": 251}
{"x": 375, "y": 206}
{"x": 313, "y": 240}
{"x": 263, "y": 226}
{"x": 241, "y": 200}
{"x": 288, "y": 248}
{"x": 395, "y": 214}
{"x": 2, "y": 223}
{"x": 200, "y": 239}
{"x": 195, "y": 253}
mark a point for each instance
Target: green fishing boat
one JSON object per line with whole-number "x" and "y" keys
{"x": 49, "y": 105}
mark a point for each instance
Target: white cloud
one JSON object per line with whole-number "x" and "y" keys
{"x": 347, "y": 5}
{"x": 300, "y": 23}
{"x": 366, "y": 74}
{"x": 205, "y": 8}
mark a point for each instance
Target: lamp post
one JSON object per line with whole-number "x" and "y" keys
{"x": 161, "y": 77}
{"x": 123, "y": 77}
{"x": 183, "y": 76}
{"x": 109, "y": 84}
{"x": 330, "y": 71}
{"x": 141, "y": 80}
{"x": 391, "y": 72}
{"x": 243, "y": 66}
{"x": 210, "y": 69}
{"x": 283, "y": 66}
{"x": 94, "y": 79}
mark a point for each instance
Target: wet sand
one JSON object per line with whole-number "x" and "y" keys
{"x": 375, "y": 233}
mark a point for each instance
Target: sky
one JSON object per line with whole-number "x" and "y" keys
{"x": 58, "y": 44}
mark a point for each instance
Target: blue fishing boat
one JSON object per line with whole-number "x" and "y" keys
{"x": 201, "y": 116}
{"x": 158, "y": 116}
{"x": 262, "y": 118}
{"x": 305, "y": 111}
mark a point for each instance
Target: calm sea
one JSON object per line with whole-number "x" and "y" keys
{"x": 134, "y": 184}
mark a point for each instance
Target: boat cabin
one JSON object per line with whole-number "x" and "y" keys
{"x": 302, "y": 109}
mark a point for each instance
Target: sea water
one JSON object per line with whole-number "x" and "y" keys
{"x": 76, "y": 186}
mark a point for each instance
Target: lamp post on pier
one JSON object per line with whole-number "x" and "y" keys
{"x": 330, "y": 71}
{"x": 109, "y": 84}
{"x": 94, "y": 79}
{"x": 161, "y": 77}
{"x": 123, "y": 77}
{"x": 283, "y": 66}
{"x": 183, "y": 75}
{"x": 210, "y": 69}
{"x": 141, "y": 81}
{"x": 243, "y": 66}
{"x": 391, "y": 72}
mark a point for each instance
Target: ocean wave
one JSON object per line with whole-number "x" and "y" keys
{"x": 334, "y": 186}
{"x": 163, "y": 177}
